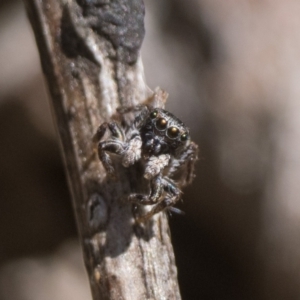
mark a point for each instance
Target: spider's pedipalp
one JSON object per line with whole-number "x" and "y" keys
{"x": 155, "y": 165}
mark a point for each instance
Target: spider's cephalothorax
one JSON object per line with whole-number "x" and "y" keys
{"x": 161, "y": 142}
{"x": 163, "y": 133}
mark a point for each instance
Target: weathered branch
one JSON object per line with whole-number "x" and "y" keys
{"x": 90, "y": 55}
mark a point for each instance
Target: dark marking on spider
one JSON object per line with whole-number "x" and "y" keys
{"x": 161, "y": 142}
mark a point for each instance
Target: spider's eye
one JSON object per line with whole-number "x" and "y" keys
{"x": 184, "y": 137}
{"x": 173, "y": 132}
{"x": 161, "y": 124}
{"x": 154, "y": 114}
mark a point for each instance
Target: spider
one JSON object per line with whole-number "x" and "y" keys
{"x": 161, "y": 142}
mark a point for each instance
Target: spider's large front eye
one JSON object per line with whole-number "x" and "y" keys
{"x": 173, "y": 132}
{"x": 154, "y": 114}
{"x": 161, "y": 124}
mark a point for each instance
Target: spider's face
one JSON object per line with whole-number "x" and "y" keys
{"x": 163, "y": 133}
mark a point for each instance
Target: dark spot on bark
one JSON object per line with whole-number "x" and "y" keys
{"x": 71, "y": 44}
{"x": 119, "y": 21}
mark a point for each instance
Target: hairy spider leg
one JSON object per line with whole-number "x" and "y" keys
{"x": 140, "y": 118}
{"x": 114, "y": 145}
{"x": 188, "y": 157}
{"x": 157, "y": 186}
{"x": 170, "y": 188}
{"x": 116, "y": 131}
{"x": 156, "y": 190}
{"x": 190, "y": 167}
{"x": 141, "y": 108}
{"x": 133, "y": 150}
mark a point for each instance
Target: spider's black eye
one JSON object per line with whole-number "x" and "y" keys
{"x": 173, "y": 132}
{"x": 161, "y": 124}
{"x": 184, "y": 137}
{"x": 154, "y": 114}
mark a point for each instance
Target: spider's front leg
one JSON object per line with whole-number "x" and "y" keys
{"x": 114, "y": 145}
{"x": 185, "y": 161}
{"x": 133, "y": 151}
{"x": 158, "y": 186}
{"x": 156, "y": 190}
{"x": 174, "y": 195}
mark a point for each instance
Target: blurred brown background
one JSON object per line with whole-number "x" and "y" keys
{"x": 232, "y": 69}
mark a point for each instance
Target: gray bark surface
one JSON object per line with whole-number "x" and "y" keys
{"x": 90, "y": 57}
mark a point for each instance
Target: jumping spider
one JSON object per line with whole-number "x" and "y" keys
{"x": 161, "y": 142}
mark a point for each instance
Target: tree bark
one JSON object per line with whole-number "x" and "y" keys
{"x": 89, "y": 52}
